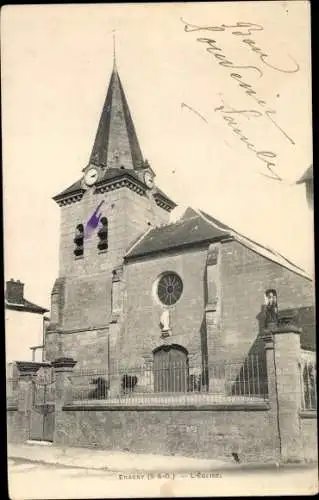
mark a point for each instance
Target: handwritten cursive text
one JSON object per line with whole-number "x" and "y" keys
{"x": 243, "y": 30}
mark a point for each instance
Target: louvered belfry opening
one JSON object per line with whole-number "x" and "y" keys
{"x": 79, "y": 240}
{"x": 103, "y": 234}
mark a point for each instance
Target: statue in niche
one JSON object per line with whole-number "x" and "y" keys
{"x": 212, "y": 256}
{"x": 117, "y": 274}
{"x": 271, "y": 309}
{"x": 165, "y": 322}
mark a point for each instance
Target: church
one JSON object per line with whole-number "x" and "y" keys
{"x": 186, "y": 331}
{"x": 135, "y": 289}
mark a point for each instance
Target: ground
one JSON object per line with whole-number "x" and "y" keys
{"x": 38, "y": 480}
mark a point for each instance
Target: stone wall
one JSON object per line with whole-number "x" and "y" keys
{"x": 87, "y": 302}
{"x": 141, "y": 332}
{"x": 88, "y": 347}
{"x": 188, "y": 432}
{"x": 308, "y": 424}
{"x": 17, "y": 425}
{"x": 266, "y": 430}
{"x": 128, "y": 215}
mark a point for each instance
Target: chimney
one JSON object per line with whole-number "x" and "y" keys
{"x": 14, "y": 291}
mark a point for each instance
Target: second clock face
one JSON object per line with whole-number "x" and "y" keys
{"x": 91, "y": 176}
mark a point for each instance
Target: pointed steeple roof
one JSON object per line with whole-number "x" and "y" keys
{"x": 116, "y": 142}
{"x": 116, "y": 151}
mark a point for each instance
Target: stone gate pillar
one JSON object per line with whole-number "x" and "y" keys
{"x": 27, "y": 371}
{"x": 63, "y": 368}
{"x": 272, "y": 391}
{"x": 283, "y": 352}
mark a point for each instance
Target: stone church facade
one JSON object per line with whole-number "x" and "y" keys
{"x": 114, "y": 286}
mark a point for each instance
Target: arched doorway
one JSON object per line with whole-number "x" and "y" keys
{"x": 170, "y": 368}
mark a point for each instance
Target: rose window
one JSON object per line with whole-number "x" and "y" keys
{"x": 169, "y": 288}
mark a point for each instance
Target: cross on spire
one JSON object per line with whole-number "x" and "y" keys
{"x": 114, "y": 49}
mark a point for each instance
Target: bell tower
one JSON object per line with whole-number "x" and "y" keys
{"x": 113, "y": 202}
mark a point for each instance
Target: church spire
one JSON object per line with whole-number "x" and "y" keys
{"x": 116, "y": 142}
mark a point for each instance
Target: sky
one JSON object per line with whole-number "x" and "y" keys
{"x": 56, "y": 65}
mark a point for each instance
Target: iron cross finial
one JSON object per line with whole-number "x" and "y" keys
{"x": 114, "y": 48}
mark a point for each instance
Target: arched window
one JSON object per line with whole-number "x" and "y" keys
{"x": 78, "y": 240}
{"x": 170, "y": 369}
{"x": 103, "y": 234}
{"x": 169, "y": 288}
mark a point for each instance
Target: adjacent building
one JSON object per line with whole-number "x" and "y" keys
{"x": 24, "y": 325}
{"x": 307, "y": 180}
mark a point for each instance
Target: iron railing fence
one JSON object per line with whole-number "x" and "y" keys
{"x": 163, "y": 381}
{"x": 172, "y": 382}
{"x": 309, "y": 385}
{"x": 43, "y": 393}
{"x": 43, "y": 387}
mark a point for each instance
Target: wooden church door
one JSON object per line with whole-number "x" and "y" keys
{"x": 170, "y": 369}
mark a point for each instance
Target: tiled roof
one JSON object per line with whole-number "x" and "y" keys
{"x": 307, "y": 176}
{"x": 184, "y": 232}
{"x": 194, "y": 227}
{"x": 25, "y": 306}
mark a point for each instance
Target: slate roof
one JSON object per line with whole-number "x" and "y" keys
{"x": 195, "y": 227}
{"x": 25, "y": 306}
{"x": 307, "y": 176}
{"x": 158, "y": 191}
{"x": 116, "y": 131}
{"x": 74, "y": 188}
{"x": 261, "y": 249}
{"x": 184, "y": 232}
{"x": 215, "y": 221}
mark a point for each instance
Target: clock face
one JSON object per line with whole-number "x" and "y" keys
{"x": 91, "y": 176}
{"x": 148, "y": 179}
